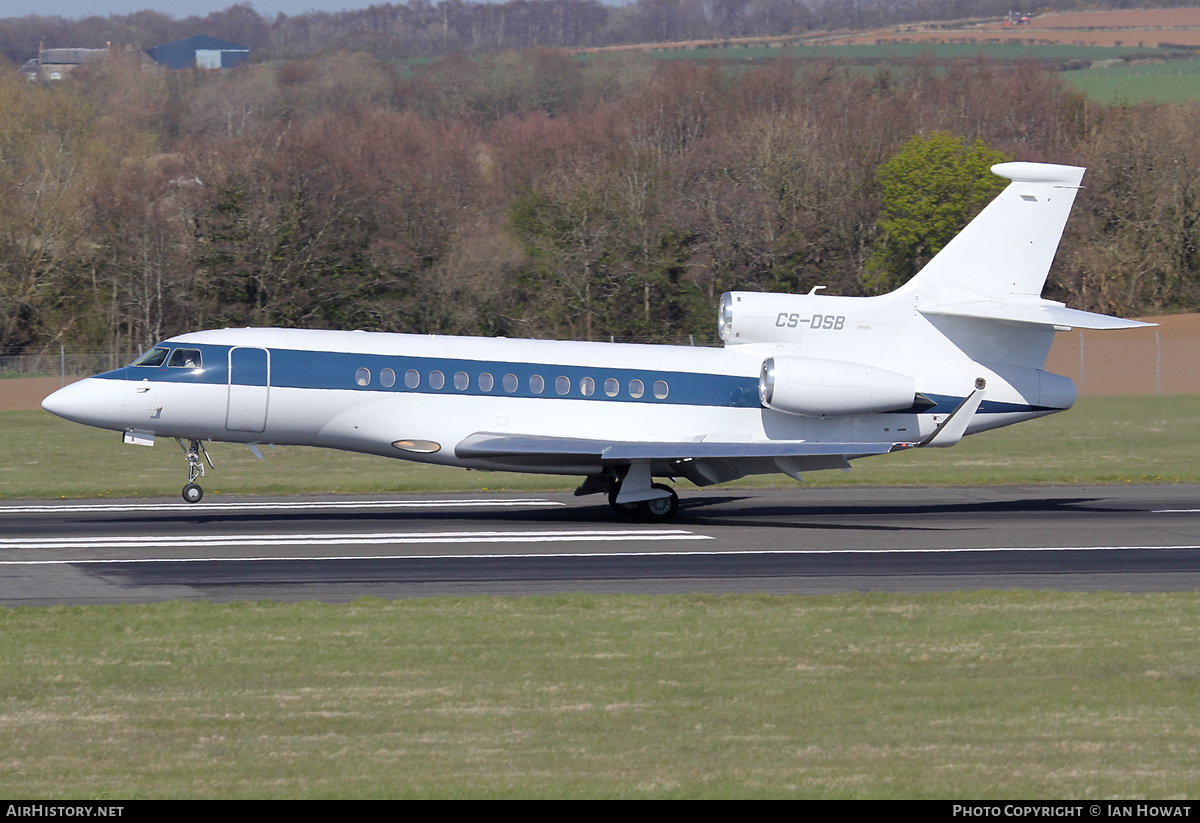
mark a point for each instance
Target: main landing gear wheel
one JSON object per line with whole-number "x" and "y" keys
{"x": 192, "y": 493}
{"x": 622, "y": 509}
{"x": 660, "y": 508}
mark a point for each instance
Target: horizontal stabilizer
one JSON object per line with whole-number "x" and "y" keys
{"x": 483, "y": 445}
{"x": 1041, "y": 313}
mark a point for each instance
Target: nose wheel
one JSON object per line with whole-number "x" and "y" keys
{"x": 192, "y": 493}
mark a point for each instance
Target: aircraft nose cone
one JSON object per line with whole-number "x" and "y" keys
{"x": 92, "y": 402}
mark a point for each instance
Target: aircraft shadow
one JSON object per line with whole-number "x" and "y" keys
{"x": 749, "y": 511}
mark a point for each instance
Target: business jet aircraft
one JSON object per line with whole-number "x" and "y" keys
{"x": 804, "y": 382}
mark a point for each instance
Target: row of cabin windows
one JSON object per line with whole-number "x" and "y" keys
{"x": 485, "y": 382}
{"x": 191, "y": 359}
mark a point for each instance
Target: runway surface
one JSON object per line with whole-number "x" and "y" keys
{"x": 1141, "y": 538}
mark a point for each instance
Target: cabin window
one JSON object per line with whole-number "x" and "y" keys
{"x": 660, "y": 389}
{"x": 154, "y": 357}
{"x": 412, "y": 378}
{"x": 388, "y": 378}
{"x": 461, "y": 381}
{"x": 486, "y": 383}
{"x": 510, "y": 383}
{"x": 537, "y": 384}
{"x": 563, "y": 385}
{"x": 184, "y": 359}
{"x": 436, "y": 379}
{"x": 362, "y": 377}
{"x": 636, "y": 388}
{"x": 611, "y": 387}
{"x": 587, "y": 386}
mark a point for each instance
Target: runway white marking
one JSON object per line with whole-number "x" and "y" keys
{"x": 1174, "y": 511}
{"x": 201, "y": 508}
{"x": 581, "y": 536}
{"x": 406, "y": 538}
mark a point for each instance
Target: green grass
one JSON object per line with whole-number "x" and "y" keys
{"x": 1175, "y": 82}
{"x": 1101, "y": 440}
{"x": 982, "y": 695}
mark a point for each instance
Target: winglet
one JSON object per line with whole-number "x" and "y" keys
{"x": 952, "y": 429}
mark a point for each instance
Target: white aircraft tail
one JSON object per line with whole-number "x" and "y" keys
{"x": 996, "y": 267}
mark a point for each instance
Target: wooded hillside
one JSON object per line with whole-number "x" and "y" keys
{"x": 525, "y": 193}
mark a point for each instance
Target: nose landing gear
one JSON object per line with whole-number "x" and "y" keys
{"x": 193, "y": 450}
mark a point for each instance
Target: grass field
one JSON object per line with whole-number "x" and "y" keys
{"x": 1175, "y": 82}
{"x": 974, "y": 696}
{"x": 1101, "y": 440}
{"x": 871, "y": 54}
{"x": 1172, "y": 82}
{"x": 992, "y": 695}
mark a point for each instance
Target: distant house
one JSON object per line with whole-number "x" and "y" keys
{"x": 200, "y": 52}
{"x": 56, "y": 64}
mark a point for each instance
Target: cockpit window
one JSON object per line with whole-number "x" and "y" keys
{"x": 154, "y": 357}
{"x": 184, "y": 359}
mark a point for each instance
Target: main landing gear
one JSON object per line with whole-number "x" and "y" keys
{"x": 634, "y": 493}
{"x": 658, "y": 508}
{"x": 194, "y": 449}
{"x": 631, "y": 493}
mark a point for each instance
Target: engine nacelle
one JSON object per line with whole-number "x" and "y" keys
{"x": 831, "y": 388}
{"x": 762, "y": 317}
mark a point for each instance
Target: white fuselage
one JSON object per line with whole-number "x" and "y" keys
{"x": 330, "y": 389}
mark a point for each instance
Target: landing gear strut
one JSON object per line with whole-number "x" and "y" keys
{"x": 193, "y": 450}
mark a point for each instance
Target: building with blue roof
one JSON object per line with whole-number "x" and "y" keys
{"x": 200, "y": 52}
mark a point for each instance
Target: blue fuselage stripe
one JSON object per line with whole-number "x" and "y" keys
{"x": 290, "y": 368}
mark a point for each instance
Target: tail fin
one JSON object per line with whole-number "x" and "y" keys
{"x": 997, "y": 266}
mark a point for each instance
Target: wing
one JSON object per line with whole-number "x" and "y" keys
{"x": 490, "y": 445}
{"x": 703, "y": 462}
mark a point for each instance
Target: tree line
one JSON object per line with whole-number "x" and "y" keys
{"x": 527, "y": 194}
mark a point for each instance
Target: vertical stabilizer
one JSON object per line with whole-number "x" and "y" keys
{"x": 1005, "y": 253}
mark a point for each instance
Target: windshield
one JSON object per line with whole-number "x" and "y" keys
{"x": 154, "y": 357}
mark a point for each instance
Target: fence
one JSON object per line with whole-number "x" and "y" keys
{"x": 1161, "y": 360}
{"x": 61, "y": 362}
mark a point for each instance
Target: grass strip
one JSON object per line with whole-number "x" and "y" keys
{"x": 967, "y": 695}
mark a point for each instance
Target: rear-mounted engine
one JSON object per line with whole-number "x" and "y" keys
{"x": 831, "y": 388}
